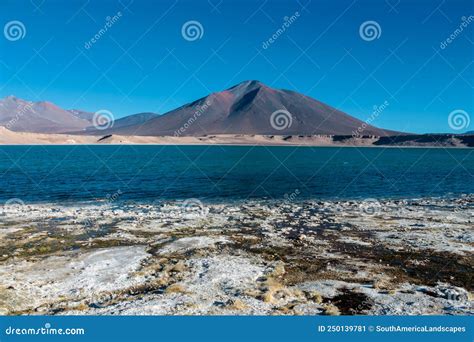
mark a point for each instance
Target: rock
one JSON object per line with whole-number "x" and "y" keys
{"x": 382, "y": 284}
{"x": 331, "y": 310}
{"x": 279, "y": 269}
{"x": 175, "y": 288}
{"x": 451, "y": 292}
{"x": 236, "y": 304}
{"x": 314, "y": 296}
{"x": 179, "y": 267}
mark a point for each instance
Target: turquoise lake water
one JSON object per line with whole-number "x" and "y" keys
{"x": 225, "y": 173}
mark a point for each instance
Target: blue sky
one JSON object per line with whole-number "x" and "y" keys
{"x": 143, "y": 63}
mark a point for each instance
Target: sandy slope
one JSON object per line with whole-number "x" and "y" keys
{"x": 8, "y": 137}
{"x": 16, "y": 138}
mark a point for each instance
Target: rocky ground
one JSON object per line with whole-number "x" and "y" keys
{"x": 270, "y": 258}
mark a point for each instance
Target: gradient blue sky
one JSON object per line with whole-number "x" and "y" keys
{"x": 143, "y": 63}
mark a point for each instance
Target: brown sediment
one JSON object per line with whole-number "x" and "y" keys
{"x": 351, "y": 302}
{"x": 419, "y": 267}
{"x": 43, "y": 240}
{"x": 44, "y": 246}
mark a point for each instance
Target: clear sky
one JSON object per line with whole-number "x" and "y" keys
{"x": 142, "y": 62}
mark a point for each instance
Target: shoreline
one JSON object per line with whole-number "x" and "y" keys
{"x": 242, "y": 201}
{"x": 10, "y": 138}
{"x": 249, "y": 145}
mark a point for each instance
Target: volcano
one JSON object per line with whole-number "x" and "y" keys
{"x": 251, "y": 107}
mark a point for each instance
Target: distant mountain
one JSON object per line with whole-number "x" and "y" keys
{"x": 38, "y": 117}
{"x": 128, "y": 122}
{"x": 253, "y": 108}
{"x": 469, "y": 133}
{"x": 88, "y": 116}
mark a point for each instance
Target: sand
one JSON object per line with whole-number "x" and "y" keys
{"x": 8, "y": 137}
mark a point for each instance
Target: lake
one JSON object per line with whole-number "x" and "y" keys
{"x": 227, "y": 173}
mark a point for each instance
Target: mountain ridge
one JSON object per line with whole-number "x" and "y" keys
{"x": 249, "y": 108}
{"x": 252, "y": 107}
{"x": 37, "y": 117}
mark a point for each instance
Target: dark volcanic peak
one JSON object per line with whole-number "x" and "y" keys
{"x": 251, "y": 107}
